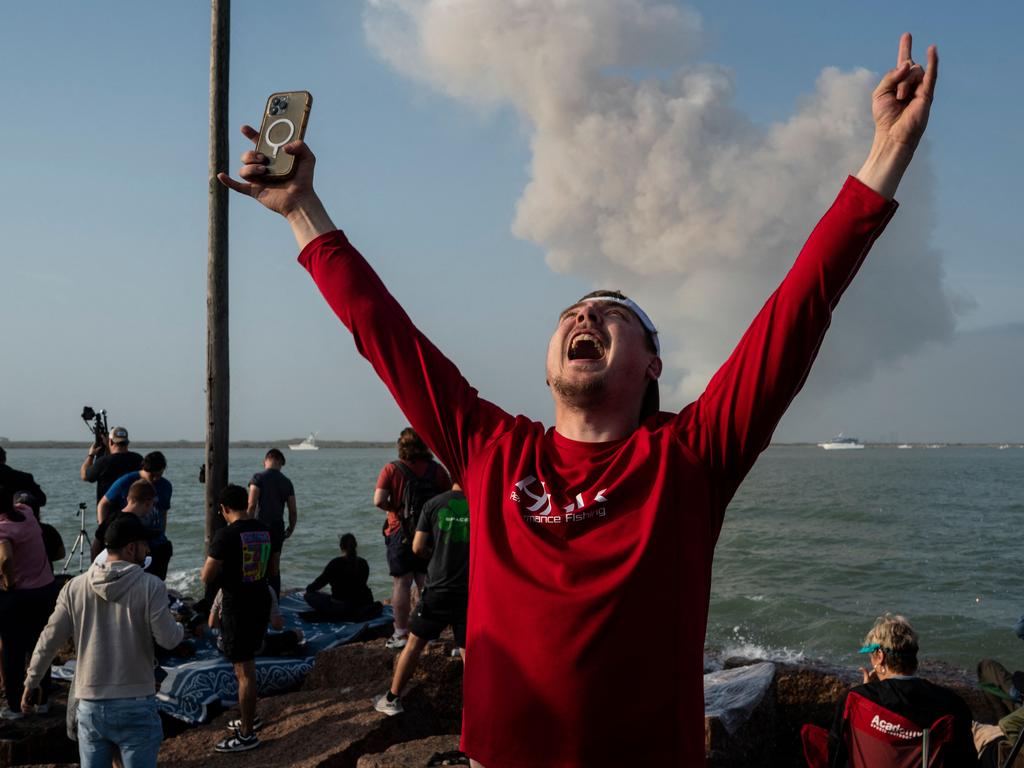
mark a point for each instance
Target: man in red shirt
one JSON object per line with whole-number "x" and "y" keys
{"x": 581, "y": 533}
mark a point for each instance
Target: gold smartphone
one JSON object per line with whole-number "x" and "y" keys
{"x": 284, "y": 121}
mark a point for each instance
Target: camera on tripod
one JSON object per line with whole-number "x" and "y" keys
{"x": 96, "y": 421}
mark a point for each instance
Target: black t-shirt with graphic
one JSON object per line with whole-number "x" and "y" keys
{"x": 244, "y": 551}
{"x": 446, "y": 518}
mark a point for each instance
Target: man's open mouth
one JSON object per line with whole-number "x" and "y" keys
{"x": 586, "y": 347}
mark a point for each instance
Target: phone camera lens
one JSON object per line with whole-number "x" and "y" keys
{"x": 275, "y": 101}
{"x": 274, "y": 110}
{"x": 283, "y": 104}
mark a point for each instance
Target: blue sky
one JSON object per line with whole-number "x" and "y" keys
{"x": 103, "y": 266}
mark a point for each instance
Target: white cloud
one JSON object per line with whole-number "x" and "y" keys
{"x": 646, "y": 177}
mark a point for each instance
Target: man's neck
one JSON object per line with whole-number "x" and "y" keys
{"x": 593, "y": 425}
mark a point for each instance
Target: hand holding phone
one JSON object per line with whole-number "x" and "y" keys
{"x": 284, "y": 121}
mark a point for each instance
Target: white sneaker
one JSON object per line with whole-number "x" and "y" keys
{"x": 389, "y": 708}
{"x": 397, "y": 641}
{"x": 6, "y": 713}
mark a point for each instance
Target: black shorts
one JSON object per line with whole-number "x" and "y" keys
{"x": 276, "y": 536}
{"x": 401, "y": 559}
{"x": 243, "y": 633}
{"x": 437, "y": 610}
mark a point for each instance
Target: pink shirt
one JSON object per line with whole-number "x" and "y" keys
{"x": 31, "y": 568}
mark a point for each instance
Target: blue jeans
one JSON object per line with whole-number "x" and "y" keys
{"x": 132, "y": 725}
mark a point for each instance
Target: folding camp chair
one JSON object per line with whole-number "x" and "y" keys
{"x": 879, "y": 738}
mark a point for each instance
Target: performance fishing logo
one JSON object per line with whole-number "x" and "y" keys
{"x": 894, "y": 729}
{"x": 535, "y": 504}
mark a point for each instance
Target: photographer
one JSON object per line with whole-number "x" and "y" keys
{"x": 107, "y": 463}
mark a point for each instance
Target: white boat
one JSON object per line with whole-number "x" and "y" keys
{"x": 904, "y": 446}
{"x": 309, "y": 444}
{"x": 842, "y": 443}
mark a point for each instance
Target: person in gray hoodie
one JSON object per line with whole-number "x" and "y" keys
{"x": 113, "y": 612}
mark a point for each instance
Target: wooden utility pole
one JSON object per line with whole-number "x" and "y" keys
{"x": 218, "y": 377}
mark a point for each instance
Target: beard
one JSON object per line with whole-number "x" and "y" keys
{"x": 579, "y": 395}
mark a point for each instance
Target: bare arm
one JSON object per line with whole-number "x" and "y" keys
{"x": 85, "y": 472}
{"x": 421, "y": 544}
{"x": 254, "y": 500}
{"x": 381, "y": 497}
{"x": 293, "y": 517}
{"x": 900, "y": 106}
{"x": 213, "y": 620}
{"x": 104, "y": 509}
{"x": 6, "y": 565}
{"x": 294, "y": 199}
{"x": 211, "y": 570}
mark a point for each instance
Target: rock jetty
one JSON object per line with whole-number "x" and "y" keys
{"x": 754, "y": 713}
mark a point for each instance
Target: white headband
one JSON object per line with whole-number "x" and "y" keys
{"x": 645, "y": 321}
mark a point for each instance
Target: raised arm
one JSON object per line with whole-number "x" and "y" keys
{"x": 438, "y": 402}
{"x": 900, "y": 106}
{"x": 295, "y": 199}
{"x": 733, "y": 421}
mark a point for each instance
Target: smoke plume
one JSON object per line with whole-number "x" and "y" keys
{"x": 646, "y": 177}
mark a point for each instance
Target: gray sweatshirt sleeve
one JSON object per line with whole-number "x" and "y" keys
{"x": 166, "y": 631}
{"x": 58, "y": 631}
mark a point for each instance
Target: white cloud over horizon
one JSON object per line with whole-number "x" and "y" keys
{"x": 646, "y": 177}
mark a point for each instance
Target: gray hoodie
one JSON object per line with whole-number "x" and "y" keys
{"x": 113, "y": 612}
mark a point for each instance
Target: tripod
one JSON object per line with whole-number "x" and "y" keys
{"x": 81, "y": 543}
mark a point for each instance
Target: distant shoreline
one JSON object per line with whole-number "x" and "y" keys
{"x": 84, "y": 444}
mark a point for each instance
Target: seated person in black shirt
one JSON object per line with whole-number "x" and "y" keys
{"x": 893, "y": 684}
{"x": 350, "y": 598}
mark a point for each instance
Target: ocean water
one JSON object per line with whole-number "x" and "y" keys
{"x": 815, "y": 544}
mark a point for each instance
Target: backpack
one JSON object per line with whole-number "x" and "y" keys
{"x": 418, "y": 491}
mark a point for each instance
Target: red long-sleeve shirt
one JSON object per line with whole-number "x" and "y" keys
{"x": 576, "y": 546}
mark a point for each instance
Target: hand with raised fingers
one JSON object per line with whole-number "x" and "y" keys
{"x": 901, "y": 102}
{"x": 282, "y": 197}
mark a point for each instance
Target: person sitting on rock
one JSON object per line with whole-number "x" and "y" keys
{"x": 898, "y": 703}
{"x": 1004, "y": 691}
{"x": 350, "y": 598}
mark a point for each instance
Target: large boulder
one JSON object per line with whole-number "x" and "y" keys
{"x": 39, "y": 739}
{"x": 411, "y": 754}
{"x": 739, "y": 715}
{"x": 331, "y": 721}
